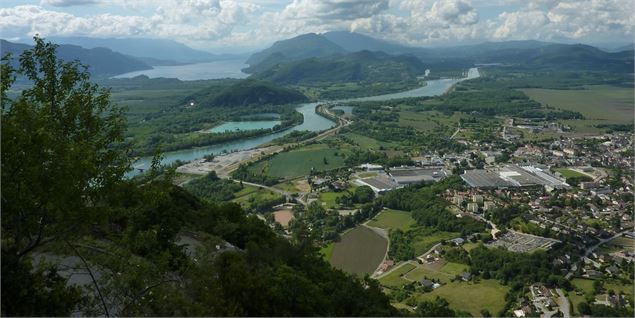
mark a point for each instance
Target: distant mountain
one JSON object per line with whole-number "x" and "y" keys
{"x": 466, "y": 51}
{"x": 352, "y": 67}
{"x": 101, "y": 62}
{"x": 299, "y": 47}
{"x": 562, "y": 56}
{"x": 354, "y": 42}
{"x": 247, "y": 92}
{"x": 157, "y": 51}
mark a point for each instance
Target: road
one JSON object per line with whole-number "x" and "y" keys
{"x": 563, "y": 303}
{"x": 458, "y": 129}
{"x": 590, "y": 250}
{"x": 276, "y": 190}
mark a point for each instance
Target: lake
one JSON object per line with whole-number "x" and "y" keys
{"x": 244, "y": 125}
{"x": 312, "y": 122}
{"x": 198, "y": 71}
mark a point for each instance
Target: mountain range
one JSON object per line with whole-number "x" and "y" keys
{"x": 101, "y": 62}
{"x": 528, "y": 53}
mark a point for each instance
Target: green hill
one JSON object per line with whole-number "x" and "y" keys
{"x": 299, "y": 47}
{"x": 247, "y": 92}
{"x": 361, "y": 66}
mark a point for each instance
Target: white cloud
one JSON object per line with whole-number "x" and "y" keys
{"x": 257, "y": 23}
{"x": 68, "y": 3}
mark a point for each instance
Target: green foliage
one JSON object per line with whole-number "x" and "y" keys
{"x": 364, "y": 66}
{"x": 430, "y": 210}
{"x": 437, "y": 308}
{"x": 213, "y": 188}
{"x": 401, "y": 247}
{"x": 57, "y": 155}
{"x": 63, "y": 186}
{"x": 503, "y": 216}
{"x": 248, "y": 92}
{"x": 34, "y": 291}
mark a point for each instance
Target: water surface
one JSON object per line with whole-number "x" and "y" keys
{"x": 244, "y": 125}
{"x": 312, "y": 122}
{"x": 197, "y": 71}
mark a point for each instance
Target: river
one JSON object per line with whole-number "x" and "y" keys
{"x": 312, "y": 122}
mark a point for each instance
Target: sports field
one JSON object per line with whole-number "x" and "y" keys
{"x": 299, "y": 162}
{"x": 360, "y": 251}
{"x": 393, "y": 219}
{"x": 568, "y": 173}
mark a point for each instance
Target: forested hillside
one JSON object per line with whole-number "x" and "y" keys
{"x": 65, "y": 200}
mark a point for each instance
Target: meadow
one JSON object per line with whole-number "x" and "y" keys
{"x": 394, "y": 279}
{"x": 472, "y": 297}
{"x": 393, "y": 219}
{"x": 300, "y": 162}
{"x": 360, "y": 251}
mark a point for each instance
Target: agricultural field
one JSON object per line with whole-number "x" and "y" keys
{"x": 360, "y": 251}
{"x": 444, "y": 272}
{"x": 470, "y": 296}
{"x": 600, "y": 104}
{"x": 394, "y": 279}
{"x": 299, "y": 162}
{"x": 393, "y": 219}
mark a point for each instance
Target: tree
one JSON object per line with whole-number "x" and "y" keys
{"x": 59, "y": 154}
{"x": 437, "y": 308}
{"x": 364, "y": 194}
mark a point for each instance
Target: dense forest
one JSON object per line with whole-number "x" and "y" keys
{"x": 64, "y": 196}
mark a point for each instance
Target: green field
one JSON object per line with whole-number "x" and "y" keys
{"x": 367, "y": 142}
{"x": 471, "y": 297}
{"x": 426, "y": 272}
{"x": 426, "y": 238}
{"x": 454, "y": 268}
{"x": 600, "y": 104}
{"x": 250, "y": 195}
{"x": 568, "y": 173}
{"x": 393, "y": 219}
{"x": 328, "y": 199}
{"x": 327, "y": 251}
{"x": 299, "y": 162}
{"x": 394, "y": 278}
{"x": 360, "y": 251}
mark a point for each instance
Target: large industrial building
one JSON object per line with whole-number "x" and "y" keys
{"x": 511, "y": 176}
{"x": 412, "y": 175}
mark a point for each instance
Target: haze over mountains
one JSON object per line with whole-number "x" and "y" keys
{"x": 529, "y": 53}
{"x": 101, "y": 61}
{"x": 333, "y": 56}
{"x": 153, "y": 50}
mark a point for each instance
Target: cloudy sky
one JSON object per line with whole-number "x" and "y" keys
{"x": 226, "y": 25}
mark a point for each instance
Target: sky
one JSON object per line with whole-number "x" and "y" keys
{"x": 236, "y": 26}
